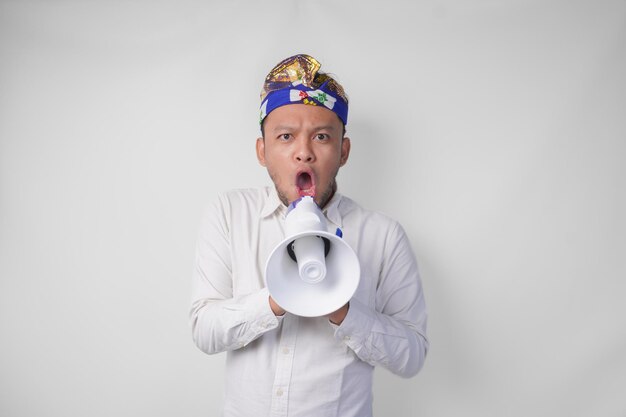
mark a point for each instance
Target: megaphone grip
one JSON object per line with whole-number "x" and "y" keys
{"x": 292, "y": 254}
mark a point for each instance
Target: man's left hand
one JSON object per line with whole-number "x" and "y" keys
{"x": 338, "y": 316}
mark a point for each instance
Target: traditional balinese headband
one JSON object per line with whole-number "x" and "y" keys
{"x": 297, "y": 80}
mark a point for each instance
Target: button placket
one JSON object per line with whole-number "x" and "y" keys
{"x": 284, "y": 366}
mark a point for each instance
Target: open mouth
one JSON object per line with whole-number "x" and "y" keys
{"x": 305, "y": 184}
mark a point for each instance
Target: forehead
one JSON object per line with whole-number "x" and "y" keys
{"x": 302, "y": 116}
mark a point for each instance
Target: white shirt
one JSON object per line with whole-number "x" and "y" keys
{"x": 295, "y": 366}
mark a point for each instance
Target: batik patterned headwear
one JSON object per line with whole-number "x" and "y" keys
{"x": 297, "y": 80}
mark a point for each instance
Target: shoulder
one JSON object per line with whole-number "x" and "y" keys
{"x": 235, "y": 204}
{"x": 372, "y": 231}
{"x": 244, "y": 199}
{"x": 370, "y": 225}
{"x": 352, "y": 211}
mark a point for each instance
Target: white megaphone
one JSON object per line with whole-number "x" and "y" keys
{"x": 312, "y": 272}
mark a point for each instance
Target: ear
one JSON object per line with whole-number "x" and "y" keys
{"x": 260, "y": 151}
{"x": 345, "y": 151}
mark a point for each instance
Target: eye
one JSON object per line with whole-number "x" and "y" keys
{"x": 322, "y": 136}
{"x": 284, "y": 136}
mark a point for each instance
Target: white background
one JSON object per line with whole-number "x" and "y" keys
{"x": 495, "y": 131}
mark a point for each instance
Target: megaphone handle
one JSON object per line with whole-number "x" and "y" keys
{"x": 292, "y": 254}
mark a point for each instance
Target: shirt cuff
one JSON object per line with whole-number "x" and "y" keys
{"x": 261, "y": 314}
{"x": 356, "y": 326}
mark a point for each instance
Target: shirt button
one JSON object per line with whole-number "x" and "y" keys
{"x": 346, "y": 338}
{"x": 286, "y": 351}
{"x": 279, "y": 392}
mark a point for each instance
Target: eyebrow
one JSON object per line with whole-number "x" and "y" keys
{"x": 294, "y": 127}
{"x": 325, "y": 127}
{"x": 283, "y": 127}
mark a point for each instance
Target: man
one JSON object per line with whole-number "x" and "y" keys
{"x": 279, "y": 364}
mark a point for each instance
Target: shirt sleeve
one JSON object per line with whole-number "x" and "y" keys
{"x": 219, "y": 321}
{"x": 393, "y": 334}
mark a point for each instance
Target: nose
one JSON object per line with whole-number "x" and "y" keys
{"x": 304, "y": 151}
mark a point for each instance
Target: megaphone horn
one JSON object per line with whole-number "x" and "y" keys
{"x": 312, "y": 272}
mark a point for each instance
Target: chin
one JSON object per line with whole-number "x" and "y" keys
{"x": 323, "y": 197}
{"x": 286, "y": 197}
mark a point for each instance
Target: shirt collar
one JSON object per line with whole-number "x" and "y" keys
{"x": 332, "y": 212}
{"x": 273, "y": 204}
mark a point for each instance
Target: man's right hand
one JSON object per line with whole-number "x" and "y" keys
{"x": 276, "y": 309}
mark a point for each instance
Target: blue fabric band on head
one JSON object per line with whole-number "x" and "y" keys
{"x": 298, "y": 93}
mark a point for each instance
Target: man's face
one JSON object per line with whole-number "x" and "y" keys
{"x": 302, "y": 150}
